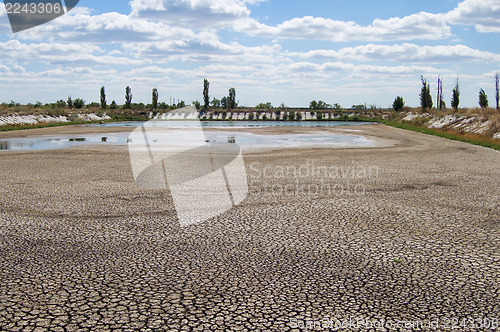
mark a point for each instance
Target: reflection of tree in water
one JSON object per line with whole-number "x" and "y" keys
{"x": 4, "y": 145}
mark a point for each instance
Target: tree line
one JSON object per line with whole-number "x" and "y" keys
{"x": 426, "y": 98}
{"x": 229, "y": 102}
{"x": 155, "y": 104}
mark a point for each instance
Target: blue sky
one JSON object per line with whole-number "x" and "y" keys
{"x": 346, "y": 52}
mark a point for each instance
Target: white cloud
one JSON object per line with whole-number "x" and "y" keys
{"x": 483, "y": 14}
{"x": 144, "y": 40}
{"x": 19, "y": 69}
{"x": 56, "y": 53}
{"x": 418, "y": 26}
{"x": 310, "y": 67}
{"x": 402, "y": 53}
{"x": 63, "y": 77}
{"x": 80, "y": 26}
{"x": 16, "y": 49}
{"x": 144, "y": 5}
{"x": 195, "y": 14}
{"x": 80, "y": 52}
{"x": 204, "y": 48}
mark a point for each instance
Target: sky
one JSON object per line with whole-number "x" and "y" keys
{"x": 346, "y": 52}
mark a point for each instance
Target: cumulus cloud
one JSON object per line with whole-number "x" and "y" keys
{"x": 483, "y": 14}
{"x": 204, "y": 48}
{"x": 57, "y": 53}
{"x": 402, "y": 53}
{"x": 297, "y": 73}
{"x": 80, "y": 25}
{"x": 59, "y": 76}
{"x": 418, "y": 26}
{"x": 84, "y": 47}
{"x": 16, "y": 49}
{"x": 195, "y": 14}
{"x": 309, "y": 67}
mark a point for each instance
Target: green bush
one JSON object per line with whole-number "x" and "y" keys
{"x": 60, "y": 104}
{"x": 78, "y": 103}
{"x": 398, "y": 104}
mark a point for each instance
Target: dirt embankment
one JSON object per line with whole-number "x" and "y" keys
{"x": 484, "y": 122}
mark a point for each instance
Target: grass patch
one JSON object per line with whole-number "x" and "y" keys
{"x": 467, "y": 138}
{"x": 124, "y": 118}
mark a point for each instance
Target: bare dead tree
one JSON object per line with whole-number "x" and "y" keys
{"x": 440, "y": 102}
{"x": 438, "y": 97}
{"x": 497, "y": 86}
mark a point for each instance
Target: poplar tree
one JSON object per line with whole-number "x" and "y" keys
{"x": 128, "y": 97}
{"x": 455, "y": 99}
{"x": 154, "y": 98}
{"x": 206, "y": 98}
{"x": 103, "y": 97}
{"x": 483, "y": 99}
{"x": 231, "y": 101}
{"x": 425, "y": 94}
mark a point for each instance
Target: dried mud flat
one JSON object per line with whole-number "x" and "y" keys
{"x": 407, "y": 232}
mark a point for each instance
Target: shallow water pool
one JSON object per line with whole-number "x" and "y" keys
{"x": 179, "y": 133}
{"x": 232, "y": 124}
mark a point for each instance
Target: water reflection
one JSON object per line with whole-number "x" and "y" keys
{"x": 50, "y": 143}
{"x": 230, "y": 124}
{"x": 4, "y": 145}
{"x": 245, "y": 140}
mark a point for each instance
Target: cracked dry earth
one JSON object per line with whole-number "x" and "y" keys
{"x": 82, "y": 248}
